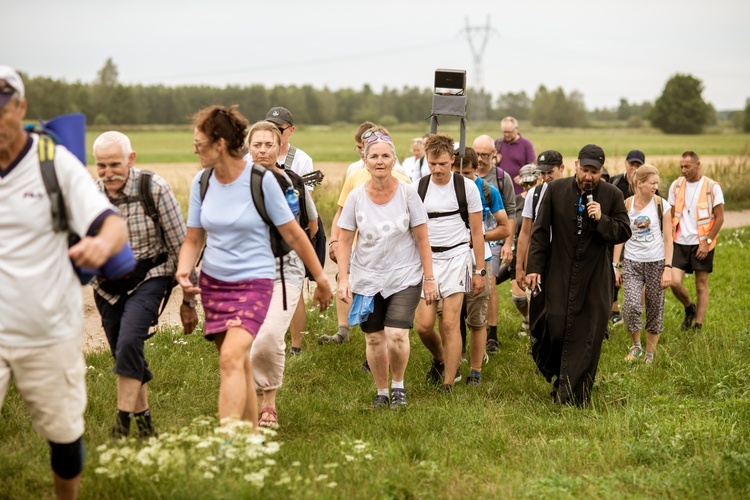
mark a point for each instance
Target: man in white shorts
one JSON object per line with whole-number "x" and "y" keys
{"x": 41, "y": 311}
{"x": 456, "y": 269}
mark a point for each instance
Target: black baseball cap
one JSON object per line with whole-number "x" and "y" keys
{"x": 280, "y": 116}
{"x": 591, "y": 155}
{"x": 547, "y": 160}
{"x": 636, "y": 156}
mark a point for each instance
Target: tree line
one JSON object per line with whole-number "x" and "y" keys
{"x": 680, "y": 109}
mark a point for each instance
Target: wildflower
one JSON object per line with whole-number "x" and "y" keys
{"x": 321, "y": 477}
{"x": 332, "y": 484}
{"x": 349, "y": 458}
{"x": 208, "y": 475}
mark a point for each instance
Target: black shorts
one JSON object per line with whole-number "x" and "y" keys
{"x": 684, "y": 258}
{"x": 397, "y": 311}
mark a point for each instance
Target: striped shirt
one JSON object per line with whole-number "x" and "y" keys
{"x": 143, "y": 236}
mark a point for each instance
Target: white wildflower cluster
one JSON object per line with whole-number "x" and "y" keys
{"x": 358, "y": 449}
{"x": 735, "y": 238}
{"x": 201, "y": 449}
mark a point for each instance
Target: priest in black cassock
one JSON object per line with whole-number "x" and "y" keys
{"x": 570, "y": 275}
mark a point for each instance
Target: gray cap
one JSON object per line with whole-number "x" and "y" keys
{"x": 279, "y": 116}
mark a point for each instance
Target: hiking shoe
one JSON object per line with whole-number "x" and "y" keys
{"x": 648, "y": 359}
{"x": 687, "y": 323}
{"x": 336, "y": 338}
{"x": 634, "y": 353}
{"x": 435, "y": 373}
{"x": 473, "y": 380}
{"x": 447, "y": 388}
{"x": 295, "y": 351}
{"x": 615, "y": 318}
{"x": 493, "y": 346}
{"x": 398, "y": 399}
{"x": 458, "y": 376}
{"x": 463, "y": 357}
{"x": 523, "y": 331}
{"x": 380, "y": 402}
{"x": 365, "y": 367}
{"x": 697, "y": 327}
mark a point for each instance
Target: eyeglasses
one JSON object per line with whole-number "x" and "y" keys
{"x": 372, "y": 136}
{"x": 358, "y": 148}
{"x": 485, "y": 155}
{"x": 198, "y": 144}
{"x": 284, "y": 129}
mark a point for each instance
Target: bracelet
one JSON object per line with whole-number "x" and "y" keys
{"x": 428, "y": 279}
{"x": 190, "y": 303}
{"x": 616, "y": 266}
{"x": 332, "y": 242}
{"x": 668, "y": 265}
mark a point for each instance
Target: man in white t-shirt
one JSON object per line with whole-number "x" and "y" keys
{"x": 697, "y": 216}
{"x": 458, "y": 269}
{"x": 41, "y": 311}
{"x": 550, "y": 164}
{"x": 294, "y": 159}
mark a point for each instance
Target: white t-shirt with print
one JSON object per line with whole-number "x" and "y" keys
{"x": 647, "y": 241}
{"x": 40, "y": 294}
{"x": 688, "y": 234}
{"x": 451, "y": 230}
{"x": 385, "y": 258}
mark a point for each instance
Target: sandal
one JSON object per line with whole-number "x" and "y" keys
{"x": 268, "y": 418}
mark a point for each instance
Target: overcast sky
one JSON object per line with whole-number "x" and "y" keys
{"x": 604, "y": 49}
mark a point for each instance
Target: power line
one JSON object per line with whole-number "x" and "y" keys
{"x": 482, "y": 36}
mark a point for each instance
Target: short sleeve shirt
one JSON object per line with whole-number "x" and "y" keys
{"x": 385, "y": 258}
{"x": 688, "y": 233}
{"x": 237, "y": 240}
{"x": 449, "y": 231}
{"x": 647, "y": 241}
{"x": 40, "y": 294}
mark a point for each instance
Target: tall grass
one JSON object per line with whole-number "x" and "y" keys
{"x": 679, "y": 428}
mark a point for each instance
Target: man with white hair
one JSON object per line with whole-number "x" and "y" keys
{"x": 130, "y": 306}
{"x": 41, "y": 330}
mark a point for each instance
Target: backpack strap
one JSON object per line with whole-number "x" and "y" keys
{"x": 207, "y": 173}
{"x": 460, "y": 190}
{"x": 290, "y": 157}
{"x": 500, "y": 178}
{"x": 463, "y": 206}
{"x": 487, "y": 192}
{"x": 424, "y": 183}
{"x": 51, "y": 184}
{"x": 146, "y": 194}
{"x": 535, "y": 201}
{"x": 256, "y": 191}
{"x": 660, "y": 211}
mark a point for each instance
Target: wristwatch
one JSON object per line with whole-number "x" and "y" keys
{"x": 190, "y": 303}
{"x": 709, "y": 240}
{"x": 480, "y": 272}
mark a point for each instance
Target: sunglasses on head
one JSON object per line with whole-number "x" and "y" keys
{"x": 372, "y": 136}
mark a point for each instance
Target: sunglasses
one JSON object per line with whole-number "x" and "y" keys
{"x": 283, "y": 129}
{"x": 372, "y": 136}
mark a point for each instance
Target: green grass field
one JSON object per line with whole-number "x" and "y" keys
{"x": 337, "y": 143}
{"x": 679, "y": 428}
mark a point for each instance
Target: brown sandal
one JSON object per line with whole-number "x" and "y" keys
{"x": 268, "y": 418}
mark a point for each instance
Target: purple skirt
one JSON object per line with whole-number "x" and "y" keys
{"x": 241, "y": 304}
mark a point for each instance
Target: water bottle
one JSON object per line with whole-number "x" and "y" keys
{"x": 292, "y": 199}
